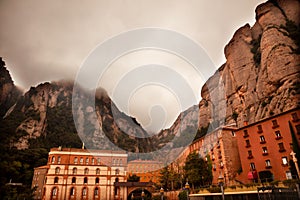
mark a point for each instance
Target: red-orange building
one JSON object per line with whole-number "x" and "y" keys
{"x": 266, "y": 145}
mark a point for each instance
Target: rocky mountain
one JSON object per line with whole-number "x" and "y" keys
{"x": 9, "y": 93}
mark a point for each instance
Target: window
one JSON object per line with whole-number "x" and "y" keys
{"x": 259, "y": 129}
{"x": 75, "y": 160}
{"x": 284, "y": 161}
{"x": 97, "y": 180}
{"x": 53, "y": 159}
{"x": 87, "y": 161}
{"x": 85, "y": 180}
{"x": 57, "y": 170}
{"x": 278, "y": 135}
{"x": 93, "y": 161}
{"x": 214, "y": 166}
{"x": 213, "y": 156}
{"x": 56, "y": 180}
{"x": 72, "y": 191}
{"x": 54, "y": 191}
{"x": 281, "y": 147}
{"x": 288, "y": 175}
{"x": 252, "y": 166}
{"x": 81, "y": 160}
{"x": 246, "y": 134}
{"x": 262, "y": 139}
{"x": 120, "y": 162}
{"x": 265, "y": 151}
{"x": 98, "y": 161}
{"x": 248, "y": 143}
{"x": 97, "y": 171}
{"x": 74, "y": 180}
{"x": 233, "y": 133}
{"x": 268, "y": 163}
{"x": 74, "y": 170}
{"x": 221, "y": 165}
{"x": 295, "y": 117}
{"x": 96, "y": 191}
{"x": 117, "y": 171}
{"x": 86, "y": 171}
{"x": 84, "y": 192}
{"x": 250, "y": 154}
{"x": 58, "y": 159}
{"x": 275, "y": 124}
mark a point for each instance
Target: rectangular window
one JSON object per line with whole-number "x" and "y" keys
{"x": 284, "y": 160}
{"x": 250, "y": 154}
{"x": 81, "y": 160}
{"x": 248, "y": 143}
{"x": 281, "y": 147}
{"x": 288, "y": 175}
{"x": 75, "y": 160}
{"x": 278, "y": 134}
{"x": 252, "y": 166}
{"x": 246, "y": 134}
{"x": 265, "y": 150}
{"x": 259, "y": 129}
{"x": 268, "y": 163}
{"x": 87, "y": 161}
{"x": 262, "y": 139}
{"x": 275, "y": 124}
{"x": 58, "y": 159}
{"x": 233, "y": 133}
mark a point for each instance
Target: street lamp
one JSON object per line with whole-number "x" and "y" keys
{"x": 221, "y": 184}
{"x": 187, "y": 187}
{"x": 162, "y": 193}
{"x": 132, "y": 197}
{"x": 143, "y": 194}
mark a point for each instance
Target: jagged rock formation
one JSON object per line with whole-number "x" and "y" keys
{"x": 261, "y": 75}
{"x": 9, "y": 93}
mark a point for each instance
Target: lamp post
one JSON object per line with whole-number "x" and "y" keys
{"x": 221, "y": 184}
{"x": 143, "y": 194}
{"x": 162, "y": 193}
{"x": 187, "y": 187}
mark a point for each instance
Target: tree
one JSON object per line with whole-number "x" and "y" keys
{"x": 197, "y": 170}
{"x": 133, "y": 178}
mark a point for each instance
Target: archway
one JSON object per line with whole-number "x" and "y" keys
{"x": 136, "y": 194}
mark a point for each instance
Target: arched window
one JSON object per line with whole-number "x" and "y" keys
{"x": 96, "y": 192}
{"x": 72, "y": 191}
{"x": 53, "y": 159}
{"x": 86, "y": 171}
{"x": 87, "y": 161}
{"x": 54, "y": 191}
{"x": 57, "y": 170}
{"x": 81, "y": 160}
{"x": 56, "y": 180}
{"x": 74, "y": 170}
{"x": 97, "y": 171}
{"x": 84, "y": 192}
{"x": 93, "y": 161}
{"x": 117, "y": 171}
{"x": 75, "y": 160}
{"x": 97, "y": 180}
{"x": 58, "y": 159}
{"x": 85, "y": 180}
{"x": 74, "y": 180}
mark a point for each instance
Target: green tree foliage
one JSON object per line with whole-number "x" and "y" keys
{"x": 197, "y": 171}
{"x": 133, "y": 178}
{"x": 171, "y": 179}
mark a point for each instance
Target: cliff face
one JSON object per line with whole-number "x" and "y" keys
{"x": 8, "y": 91}
{"x": 261, "y": 75}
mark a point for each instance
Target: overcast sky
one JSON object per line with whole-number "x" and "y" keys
{"x": 48, "y": 40}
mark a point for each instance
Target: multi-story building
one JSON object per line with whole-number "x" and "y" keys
{"x": 81, "y": 174}
{"x": 147, "y": 170}
{"x": 220, "y": 146}
{"x": 267, "y": 145}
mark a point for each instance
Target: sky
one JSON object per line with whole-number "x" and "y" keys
{"x": 50, "y": 40}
